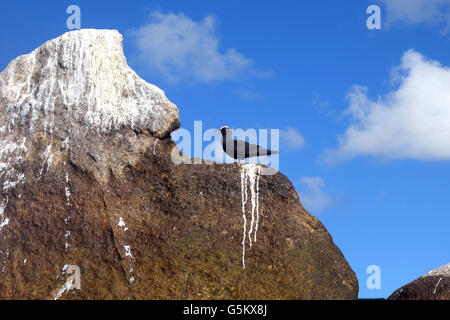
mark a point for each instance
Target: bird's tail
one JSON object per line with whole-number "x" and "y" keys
{"x": 272, "y": 152}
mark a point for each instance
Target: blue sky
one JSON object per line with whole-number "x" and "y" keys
{"x": 368, "y": 111}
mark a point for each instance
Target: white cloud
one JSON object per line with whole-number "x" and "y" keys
{"x": 411, "y": 12}
{"x": 291, "y": 139}
{"x": 178, "y": 48}
{"x": 410, "y": 122}
{"x": 312, "y": 197}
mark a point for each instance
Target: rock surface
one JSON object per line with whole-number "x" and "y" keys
{"x": 88, "y": 184}
{"x": 434, "y": 285}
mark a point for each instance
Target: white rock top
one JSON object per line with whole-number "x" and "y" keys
{"x": 86, "y": 71}
{"x": 65, "y": 102}
{"x": 441, "y": 271}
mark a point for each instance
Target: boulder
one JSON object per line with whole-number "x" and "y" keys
{"x": 94, "y": 207}
{"x": 434, "y": 285}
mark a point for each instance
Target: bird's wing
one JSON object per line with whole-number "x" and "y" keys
{"x": 240, "y": 149}
{"x": 244, "y": 149}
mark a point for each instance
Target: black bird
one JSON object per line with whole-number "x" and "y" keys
{"x": 239, "y": 149}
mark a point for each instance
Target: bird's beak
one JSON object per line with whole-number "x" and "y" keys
{"x": 217, "y": 131}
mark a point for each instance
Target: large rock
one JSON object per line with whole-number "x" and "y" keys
{"x": 89, "y": 185}
{"x": 434, "y": 285}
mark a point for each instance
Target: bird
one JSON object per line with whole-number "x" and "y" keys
{"x": 239, "y": 149}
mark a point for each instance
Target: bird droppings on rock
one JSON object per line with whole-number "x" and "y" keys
{"x": 131, "y": 262}
{"x": 3, "y": 220}
{"x": 437, "y": 284}
{"x": 47, "y": 159}
{"x": 250, "y": 173}
{"x": 128, "y": 252}
{"x": 154, "y": 146}
{"x": 86, "y": 65}
{"x": 67, "y": 286}
{"x": 121, "y": 223}
{"x": 67, "y": 189}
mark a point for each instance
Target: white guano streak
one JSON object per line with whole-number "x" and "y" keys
{"x": 12, "y": 154}
{"x": 250, "y": 172}
{"x": 122, "y": 224}
{"x": 67, "y": 286}
{"x": 129, "y": 255}
{"x": 437, "y": 284}
{"x": 154, "y": 146}
{"x": 3, "y": 220}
